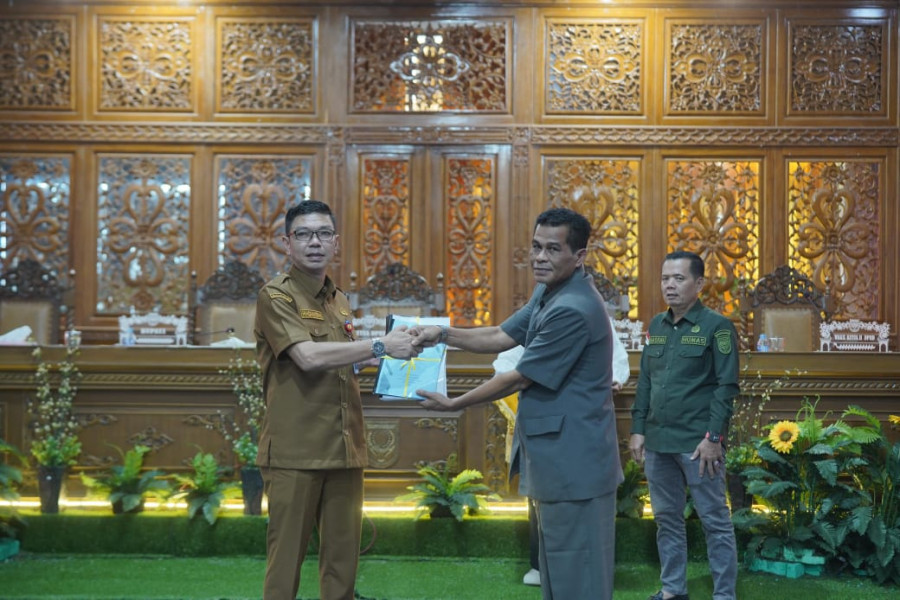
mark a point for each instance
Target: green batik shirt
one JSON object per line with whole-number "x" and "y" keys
{"x": 688, "y": 380}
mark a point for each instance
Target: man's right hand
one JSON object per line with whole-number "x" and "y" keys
{"x": 398, "y": 343}
{"x": 636, "y": 445}
{"x": 426, "y": 336}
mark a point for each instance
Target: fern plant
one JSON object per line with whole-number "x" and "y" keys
{"x": 632, "y": 493}
{"x": 205, "y": 490}
{"x": 442, "y": 494}
{"x": 125, "y": 484}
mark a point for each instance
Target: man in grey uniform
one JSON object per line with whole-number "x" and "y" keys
{"x": 565, "y": 446}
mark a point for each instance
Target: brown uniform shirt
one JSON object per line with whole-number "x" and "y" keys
{"x": 313, "y": 419}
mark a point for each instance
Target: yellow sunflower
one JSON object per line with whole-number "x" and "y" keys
{"x": 783, "y": 436}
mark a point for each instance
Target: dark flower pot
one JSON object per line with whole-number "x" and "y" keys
{"x": 118, "y": 509}
{"x": 50, "y": 480}
{"x": 441, "y": 512}
{"x": 737, "y": 491}
{"x": 252, "y": 490}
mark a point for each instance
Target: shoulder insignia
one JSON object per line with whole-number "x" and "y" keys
{"x": 308, "y": 313}
{"x": 280, "y": 296}
{"x": 723, "y": 341}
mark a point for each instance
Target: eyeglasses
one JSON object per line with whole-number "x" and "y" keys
{"x": 306, "y": 235}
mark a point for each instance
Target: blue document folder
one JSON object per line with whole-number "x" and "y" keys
{"x": 398, "y": 379}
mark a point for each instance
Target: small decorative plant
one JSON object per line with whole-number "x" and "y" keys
{"x": 125, "y": 484}
{"x": 632, "y": 494}
{"x": 204, "y": 489}
{"x": 54, "y": 429}
{"x": 442, "y": 494}
{"x": 242, "y": 430}
{"x": 10, "y": 480}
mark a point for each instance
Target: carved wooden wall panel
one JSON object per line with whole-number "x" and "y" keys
{"x": 716, "y": 66}
{"x": 430, "y": 66}
{"x": 36, "y": 63}
{"x": 714, "y": 210}
{"x": 143, "y": 221}
{"x": 253, "y": 194}
{"x": 469, "y": 187}
{"x": 607, "y": 191}
{"x": 146, "y": 64}
{"x": 35, "y": 198}
{"x": 266, "y": 65}
{"x": 386, "y": 205}
{"x": 594, "y": 66}
{"x": 839, "y": 67}
{"x": 834, "y": 220}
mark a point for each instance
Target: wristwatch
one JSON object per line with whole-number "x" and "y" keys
{"x": 378, "y": 348}
{"x": 715, "y": 438}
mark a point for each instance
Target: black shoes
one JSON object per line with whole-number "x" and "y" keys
{"x": 659, "y": 596}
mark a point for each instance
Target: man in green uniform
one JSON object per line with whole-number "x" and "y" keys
{"x": 687, "y": 383}
{"x": 312, "y": 445}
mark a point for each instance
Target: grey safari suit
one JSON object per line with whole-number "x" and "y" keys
{"x": 565, "y": 444}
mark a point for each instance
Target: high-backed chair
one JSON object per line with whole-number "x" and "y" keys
{"x": 31, "y": 295}
{"x": 399, "y": 290}
{"x": 225, "y": 304}
{"x": 617, "y": 306}
{"x": 786, "y": 304}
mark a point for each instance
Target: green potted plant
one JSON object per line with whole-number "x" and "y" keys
{"x": 54, "y": 429}
{"x": 242, "y": 430}
{"x": 204, "y": 489}
{"x": 442, "y": 494}
{"x": 10, "y": 523}
{"x": 125, "y": 484}
{"x": 632, "y": 494}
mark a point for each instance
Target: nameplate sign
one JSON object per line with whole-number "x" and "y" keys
{"x": 854, "y": 336}
{"x": 153, "y": 329}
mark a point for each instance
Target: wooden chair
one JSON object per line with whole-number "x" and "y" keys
{"x": 225, "y": 305}
{"x": 399, "y": 290}
{"x": 31, "y": 295}
{"x": 786, "y": 304}
{"x": 617, "y": 306}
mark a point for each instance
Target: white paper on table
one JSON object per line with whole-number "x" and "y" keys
{"x": 16, "y": 336}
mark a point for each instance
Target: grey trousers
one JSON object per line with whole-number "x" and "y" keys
{"x": 669, "y": 476}
{"x": 577, "y": 548}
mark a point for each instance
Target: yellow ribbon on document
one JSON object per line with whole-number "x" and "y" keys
{"x": 410, "y": 365}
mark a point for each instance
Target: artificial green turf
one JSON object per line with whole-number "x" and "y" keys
{"x": 58, "y": 577}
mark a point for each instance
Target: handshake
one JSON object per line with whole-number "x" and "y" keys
{"x": 407, "y": 342}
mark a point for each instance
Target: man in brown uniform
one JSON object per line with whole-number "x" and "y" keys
{"x": 312, "y": 445}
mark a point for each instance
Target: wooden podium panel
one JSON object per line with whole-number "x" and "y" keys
{"x": 170, "y": 397}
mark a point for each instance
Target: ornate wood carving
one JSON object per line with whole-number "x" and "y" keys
{"x": 834, "y": 223}
{"x": 594, "y": 67}
{"x": 396, "y": 283}
{"x": 716, "y": 67}
{"x": 383, "y": 442}
{"x": 266, "y": 65}
{"x": 143, "y": 216}
{"x": 386, "y": 211}
{"x": 34, "y": 210}
{"x": 834, "y": 137}
{"x": 254, "y": 192}
{"x": 714, "y": 211}
{"x": 430, "y": 66}
{"x": 607, "y": 192}
{"x": 145, "y": 64}
{"x": 469, "y": 190}
{"x": 838, "y": 68}
{"x": 449, "y": 425}
{"x": 36, "y": 64}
